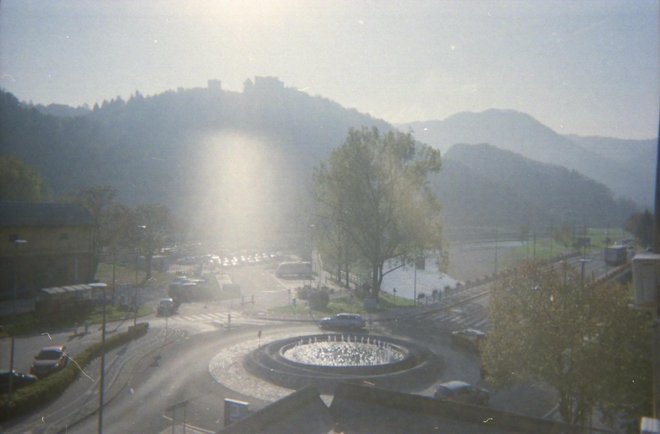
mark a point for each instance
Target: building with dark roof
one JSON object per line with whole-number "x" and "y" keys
{"x": 361, "y": 409}
{"x": 44, "y": 245}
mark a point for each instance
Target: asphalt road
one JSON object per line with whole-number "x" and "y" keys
{"x": 181, "y": 374}
{"x": 182, "y": 371}
{"x": 179, "y": 371}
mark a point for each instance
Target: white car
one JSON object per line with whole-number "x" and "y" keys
{"x": 469, "y": 338}
{"x": 351, "y": 321}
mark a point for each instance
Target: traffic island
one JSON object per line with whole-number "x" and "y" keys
{"x": 323, "y": 360}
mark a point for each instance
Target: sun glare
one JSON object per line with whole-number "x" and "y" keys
{"x": 236, "y": 189}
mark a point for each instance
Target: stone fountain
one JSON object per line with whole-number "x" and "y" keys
{"x": 322, "y": 360}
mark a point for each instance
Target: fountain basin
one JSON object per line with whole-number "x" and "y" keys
{"x": 322, "y": 360}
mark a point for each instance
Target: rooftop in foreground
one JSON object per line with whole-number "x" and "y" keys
{"x": 361, "y": 409}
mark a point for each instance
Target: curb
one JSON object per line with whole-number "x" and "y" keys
{"x": 116, "y": 386}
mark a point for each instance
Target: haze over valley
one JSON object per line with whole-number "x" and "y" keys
{"x": 222, "y": 110}
{"x": 240, "y": 164}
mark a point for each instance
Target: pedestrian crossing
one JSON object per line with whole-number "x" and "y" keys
{"x": 217, "y": 317}
{"x": 471, "y": 315}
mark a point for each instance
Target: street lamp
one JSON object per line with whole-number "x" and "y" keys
{"x": 583, "y": 262}
{"x": 415, "y": 281}
{"x": 102, "y": 380}
{"x": 17, "y": 242}
{"x": 495, "y": 271}
{"x": 137, "y": 251}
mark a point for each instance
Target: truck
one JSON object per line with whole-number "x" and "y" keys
{"x": 615, "y": 255}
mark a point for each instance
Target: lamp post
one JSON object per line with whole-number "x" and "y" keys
{"x": 495, "y": 270}
{"x": 17, "y": 242}
{"x": 137, "y": 250}
{"x": 102, "y": 380}
{"x": 583, "y": 262}
{"x": 137, "y": 255}
{"x": 415, "y": 281}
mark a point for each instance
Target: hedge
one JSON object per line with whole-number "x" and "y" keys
{"x": 49, "y": 388}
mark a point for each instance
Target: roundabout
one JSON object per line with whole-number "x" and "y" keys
{"x": 272, "y": 369}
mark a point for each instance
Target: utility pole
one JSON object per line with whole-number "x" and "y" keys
{"x": 415, "y": 281}
{"x": 656, "y": 217}
{"x": 495, "y": 250}
{"x": 656, "y": 322}
{"x": 103, "y": 287}
{"x": 17, "y": 242}
{"x": 135, "y": 303}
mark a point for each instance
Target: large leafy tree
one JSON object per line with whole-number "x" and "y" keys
{"x": 582, "y": 339}
{"x": 641, "y": 226}
{"x": 373, "y": 193}
{"x": 20, "y": 182}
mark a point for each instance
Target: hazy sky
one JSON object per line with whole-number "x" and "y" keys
{"x": 584, "y": 67}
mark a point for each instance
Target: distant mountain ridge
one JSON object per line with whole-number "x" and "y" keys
{"x": 482, "y": 183}
{"x": 199, "y": 151}
{"x": 599, "y": 158}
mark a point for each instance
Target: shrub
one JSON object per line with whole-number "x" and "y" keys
{"x": 304, "y": 292}
{"x": 318, "y": 300}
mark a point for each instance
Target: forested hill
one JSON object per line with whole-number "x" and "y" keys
{"x": 239, "y": 159}
{"x": 177, "y": 147}
{"x": 484, "y": 185}
{"x": 627, "y": 167}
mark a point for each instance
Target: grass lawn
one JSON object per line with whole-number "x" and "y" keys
{"x": 32, "y": 322}
{"x": 113, "y": 313}
{"x": 343, "y": 304}
{"x": 125, "y": 275}
{"x": 543, "y": 248}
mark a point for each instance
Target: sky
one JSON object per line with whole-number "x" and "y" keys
{"x": 579, "y": 67}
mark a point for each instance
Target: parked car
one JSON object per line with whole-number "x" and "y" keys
{"x": 166, "y": 307}
{"x": 350, "y": 321}
{"x": 460, "y": 391}
{"x": 469, "y": 338}
{"x": 49, "y": 360}
{"x": 18, "y": 380}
